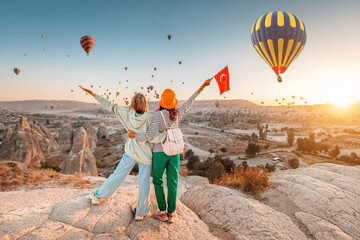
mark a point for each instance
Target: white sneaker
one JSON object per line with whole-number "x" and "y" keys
{"x": 94, "y": 199}
{"x": 139, "y": 218}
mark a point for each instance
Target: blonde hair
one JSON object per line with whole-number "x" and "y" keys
{"x": 138, "y": 103}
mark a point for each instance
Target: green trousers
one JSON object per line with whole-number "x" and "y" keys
{"x": 160, "y": 162}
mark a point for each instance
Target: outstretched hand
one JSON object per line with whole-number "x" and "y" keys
{"x": 131, "y": 134}
{"x": 207, "y": 82}
{"x": 88, "y": 91}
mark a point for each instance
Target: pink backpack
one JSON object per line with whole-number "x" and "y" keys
{"x": 174, "y": 142}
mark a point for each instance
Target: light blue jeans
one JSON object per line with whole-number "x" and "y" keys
{"x": 114, "y": 181}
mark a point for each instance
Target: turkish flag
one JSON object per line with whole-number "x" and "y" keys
{"x": 223, "y": 80}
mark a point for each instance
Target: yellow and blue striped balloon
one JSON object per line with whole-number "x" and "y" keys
{"x": 278, "y": 37}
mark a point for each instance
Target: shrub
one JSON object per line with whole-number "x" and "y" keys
{"x": 252, "y": 149}
{"x": 135, "y": 170}
{"x": 252, "y": 180}
{"x": 266, "y": 146}
{"x": 99, "y": 163}
{"x": 211, "y": 151}
{"x": 270, "y": 168}
{"x": 294, "y": 163}
{"x": 189, "y": 153}
{"x": 191, "y": 161}
{"x": 47, "y": 122}
{"x": 196, "y": 133}
{"x": 254, "y": 136}
{"x": 245, "y": 164}
{"x": 223, "y": 150}
{"x": 335, "y": 152}
{"x": 214, "y": 171}
{"x": 228, "y": 164}
{"x": 47, "y": 165}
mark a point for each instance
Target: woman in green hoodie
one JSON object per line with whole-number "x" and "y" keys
{"x": 137, "y": 119}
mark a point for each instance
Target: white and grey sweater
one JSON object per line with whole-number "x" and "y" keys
{"x": 157, "y": 123}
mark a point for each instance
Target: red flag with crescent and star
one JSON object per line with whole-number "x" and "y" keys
{"x": 223, "y": 80}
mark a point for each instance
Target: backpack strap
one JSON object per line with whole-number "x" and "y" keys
{"x": 163, "y": 119}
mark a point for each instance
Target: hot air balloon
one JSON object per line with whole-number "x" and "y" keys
{"x": 252, "y": 93}
{"x": 109, "y": 93}
{"x": 25, "y": 54}
{"x": 91, "y": 86}
{"x": 217, "y": 103}
{"x": 43, "y": 49}
{"x": 86, "y": 94}
{"x": 42, "y": 36}
{"x": 183, "y": 83}
{"x": 262, "y": 103}
{"x": 119, "y": 82}
{"x": 279, "y": 103}
{"x": 171, "y": 81}
{"x": 278, "y": 38}
{"x": 68, "y": 55}
{"x": 127, "y": 80}
{"x": 99, "y": 86}
{"x": 288, "y": 104}
{"x": 301, "y": 98}
{"x": 293, "y": 103}
{"x": 126, "y": 87}
{"x": 306, "y": 102}
{"x": 169, "y": 37}
{"x": 87, "y": 43}
{"x": 154, "y": 68}
{"x": 72, "y": 90}
{"x": 17, "y": 71}
{"x": 125, "y": 68}
{"x": 283, "y": 99}
{"x": 151, "y": 88}
{"x": 276, "y": 100}
{"x": 117, "y": 93}
{"x": 180, "y": 62}
{"x": 107, "y": 90}
{"x": 293, "y": 97}
{"x": 152, "y": 76}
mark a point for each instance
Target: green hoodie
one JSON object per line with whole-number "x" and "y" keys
{"x": 139, "y": 123}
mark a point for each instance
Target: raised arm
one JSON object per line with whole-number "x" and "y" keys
{"x": 120, "y": 112}
{"x": 186, "y": 105}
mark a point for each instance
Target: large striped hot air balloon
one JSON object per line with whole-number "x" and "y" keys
{"x": 87, "y": 43}
{"x": 278, "y": 37}
{"x": 17, "y": 71}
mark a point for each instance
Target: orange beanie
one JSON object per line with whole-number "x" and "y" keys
{"x": 168, "y": 99}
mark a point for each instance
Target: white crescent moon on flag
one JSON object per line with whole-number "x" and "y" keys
{"x": 221, "y": 77}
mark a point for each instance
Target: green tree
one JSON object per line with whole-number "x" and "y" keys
{"x": 290, "y": 137}
{"x": 252, "y": 149}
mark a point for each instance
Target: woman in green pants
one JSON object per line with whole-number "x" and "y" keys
{"x": 166, "y": 116}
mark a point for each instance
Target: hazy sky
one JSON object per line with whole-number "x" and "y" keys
{"x": 206, "y": 36}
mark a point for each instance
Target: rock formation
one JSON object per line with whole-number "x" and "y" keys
{"x": 80, "y": 158}
{"x": 22, "y": 146}
{"x": 65, "y": 137}
{"x": 102, "y": 131}
{"x": 46, "y": 141}
{"x": 7, "y": 134}
{"x": 62, "y": 213}
{"x": 318, "y": 202}
{"x": 92, "y": 136}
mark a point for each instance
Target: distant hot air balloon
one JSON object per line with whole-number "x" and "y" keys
{"x": 252, "y": 93}
{"x": 43, "y": 49}
{"x": 109, "y": 93}
{"x": 171, "y": 81}
{"x": 127, "y": 80}
{"x": 68, "y": 55}
{"x": 288, "y": 104}
{"x": 278, "y": 38}
{"x": 72, "y": 90}
{"x": 25, "y": 54}
{"x": 169, "y": 37}
{"x": 279, "y": 103}
{"x": 142, "y": 87}
{"x": 306, "y": 102}
{"x": 119, "y": 82}
{"x": 293, "y": 97}
{"x": 126, "y": 87}
{"x": 42, "y": 36}
{"x": 99, "y": 86}
{"x": 91, "y": 86}
{"x": 180, "y": 62}
{"x": 86, "y": 94}
{"x": 293, "y": 103}
{"x": 117, "y": 93}
{"x": 301, "y": 98}
{"x": 17, "y": 71}
{"x": 276, "y": 100}
{"x": 283, "y": 99}
{"x": 151, "y": 88}
{"x": 183, "y": 83}
{"x": 107, "y": 90}
{"x": 87, "y": 43}
{"x": 217, "y": 103}
{"x": 152, "y": 76}
{"x": 262, "y": 103}
{"x": 154, "y": 68}
{"x": 126, "y": 68}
